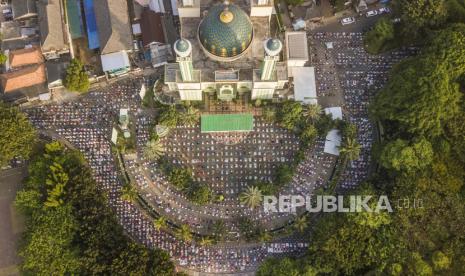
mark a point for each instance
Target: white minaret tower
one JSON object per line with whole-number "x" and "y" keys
{"x": 273, "y": 47}
{"x": 183, "y": 49}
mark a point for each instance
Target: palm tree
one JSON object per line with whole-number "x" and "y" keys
{"x": 184, "y": 233}
{"x": 129, "y": 193}
{"x": 169, "y": 116}
{"x": 300, "y": 223}
{"x": 269, "y": 114}
{"x": 205, "y": 241}
{"x": 190, "y": 116}
{"x": 313, "y": 112}
{"x": 252, "y": 197}
{"x": 160, "y": 223}
{"x": 154, "y": 149}
{"x": 264, "y": 236}
{"x": 350, "y": 148}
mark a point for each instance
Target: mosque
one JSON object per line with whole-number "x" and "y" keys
{"x": 228, "y": 50}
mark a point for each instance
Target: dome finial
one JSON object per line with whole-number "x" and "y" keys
{"x": 226, "y": 16}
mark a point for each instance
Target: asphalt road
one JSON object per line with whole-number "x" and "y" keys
{"x": 11, "y": 224}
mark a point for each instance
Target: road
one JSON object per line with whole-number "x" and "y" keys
{"x": 11, "y": 224}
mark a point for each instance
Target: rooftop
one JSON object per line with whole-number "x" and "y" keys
{"x": 152, "y": 29}
{"x": 113, "y": 25}
{"x": 23, "y": 57}
{"x": 52, "y": 35}
{"x": 23, "y": 8}
{"x": 27, "y": 77}
{"x": 226, "y": 122}
{"x": 297, "y": 45}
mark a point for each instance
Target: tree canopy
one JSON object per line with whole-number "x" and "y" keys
{"x": 81, "y": 234}
{"x": 17, "y": 136}
{"x": 76, "y": 78}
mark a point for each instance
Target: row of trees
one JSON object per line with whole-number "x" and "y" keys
{"x": 70, "y": 229}
{"x": 421, "y": 167}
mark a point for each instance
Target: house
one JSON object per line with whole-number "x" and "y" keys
{"x": 114, "y": 28}
{"x": 24, "y": 57}
{"x": 152, "y": 27}
{"x": 26, "y": 84}
{"x": 53, "y": 38}
{"x": 23, "y": 9}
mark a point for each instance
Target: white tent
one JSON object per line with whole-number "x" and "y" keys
{"x": 336, "y": 112}
{"x": 115, "y": 61}
{"x": 333, "y": 142}
{"x": 304, "y": 85}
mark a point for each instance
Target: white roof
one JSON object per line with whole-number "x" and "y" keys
{"x": 333, "y": 142}
{"x": 336, "y": 112}
{"x": 297, "y": 48}
{"x": 304, "y": 85}
{"x": 114, "y": 61}
{"x": 136, "y": 29}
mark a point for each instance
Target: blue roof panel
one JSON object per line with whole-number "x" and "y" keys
{"x": 91, "y": 24}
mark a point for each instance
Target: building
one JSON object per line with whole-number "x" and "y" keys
{"x": 53, "y": 34}
{"x": 26, "y": 84}
{"x": 151, "y": 27}
{"x": 227, "y": 52}
{"x": 114, "y": 35}
{"x": 23, "y": 57}
{"x": 23, "y": 9}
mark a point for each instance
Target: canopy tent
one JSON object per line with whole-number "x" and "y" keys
{"x": 304, "y": 85}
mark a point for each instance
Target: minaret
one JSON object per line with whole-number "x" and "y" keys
{"x": 273, "y": 47}
{"x": 183, "y": 49}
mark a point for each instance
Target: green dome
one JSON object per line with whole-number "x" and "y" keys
{"x": 274, "y": 44}
{"x": 226, "y": 31}
{"x": 182, "y": 45}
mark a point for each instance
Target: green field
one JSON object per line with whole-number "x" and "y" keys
{"x": 226, "y": 122}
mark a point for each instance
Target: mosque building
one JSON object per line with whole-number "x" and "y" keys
{"x": 228, "y": 50}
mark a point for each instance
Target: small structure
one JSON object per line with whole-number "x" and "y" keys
{"x": 335, "y": 112}
{"x": 297, "y": 49}
{"x": 56, "y": 71}
{"x": 226, "y": 123}
{"x": 333, "y": 142}
{"x": 116, "y": 63}
{"x": 23, "y": 9}
{"x": 304, "y": 85}
{"x": 124, "y": 122}
{"x": 160, "y": 54}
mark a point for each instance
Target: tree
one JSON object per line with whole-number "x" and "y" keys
{"x": 129, "y": 193}
{"x": 17, "y": 136}
{"x": 313, "y": 112}
{"x": 400, "y": 156}
{"x": 418, "y": 15}
{"x": 300, "y": 224}
{"x": 169, "y": 116}
{"x": 269, "y": 114}
{"x": 160, "y": 223}
{"x": 154, "y": 149}
{"x": 190, "y": 116}
{"x": 420, "y": 97}
{"x": 290, "y": 114}
{"x": 3, "y": 58}
{"x": 252, "y": 197}
{"x": 76, "y": 78}
{"x": 351, "y": 149}
{"x": 184, "y": 233}
{"x": 309, "y": 134}
{"x": 206, "y": 241}
{"x": 440, "y": 261}
{"x": 377, "y": 39}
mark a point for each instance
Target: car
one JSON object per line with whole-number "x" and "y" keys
{"x": 347, "y": 20}
{"x": 372, "y": 13}
{"x": 384, "y": 10}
